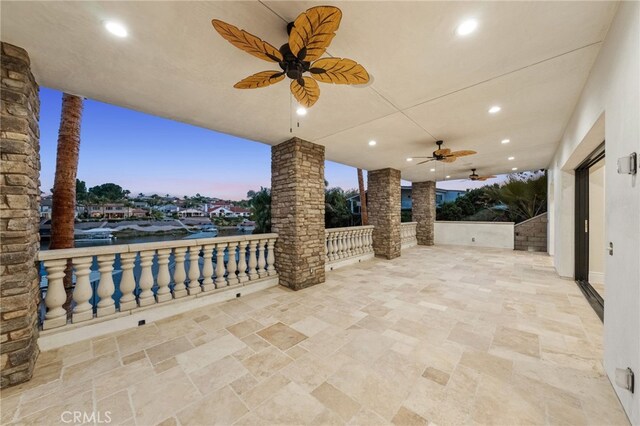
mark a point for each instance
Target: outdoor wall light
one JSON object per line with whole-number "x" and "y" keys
{"x": 628, "y": 165}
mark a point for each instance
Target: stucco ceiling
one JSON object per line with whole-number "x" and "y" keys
{"x": 531, "y": 58}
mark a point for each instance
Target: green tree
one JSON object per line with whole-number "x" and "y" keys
{"x": 109, "y": 193}
{"x": 81, "y": 191}
{"x": 260, "y": 205}
{"x": 336, "y": 210}
{"x": 524, "y": 194}
{"x": 449, "y": 211}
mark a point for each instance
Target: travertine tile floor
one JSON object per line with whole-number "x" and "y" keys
{"x": 443, "y": 335}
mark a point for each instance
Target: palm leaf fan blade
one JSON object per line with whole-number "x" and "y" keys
{"x": 247, "y": 41}
{"x": 462, "y": 153}
{"x": 339, "y": 71}
{"x": 307, "y": 93}
{"x": 261, "y": 79}
{"x": 313, "y": 31}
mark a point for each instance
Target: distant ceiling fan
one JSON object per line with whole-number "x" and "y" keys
{"x": 473, "y": 176}
{"x": 309, "y": 36}
{"x": 445, "y": 155}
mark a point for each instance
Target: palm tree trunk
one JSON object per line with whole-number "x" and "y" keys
{"x": 64, "y": 186}
{"x": 363, "y": 200}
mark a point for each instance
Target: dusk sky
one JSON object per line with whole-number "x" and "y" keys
{"x": 148, "y": 154}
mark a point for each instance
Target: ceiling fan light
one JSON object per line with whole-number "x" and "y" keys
{"x": 301, "y": 111}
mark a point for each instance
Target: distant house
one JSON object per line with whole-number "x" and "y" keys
{"x": 220, "y": 211}
{"x": 191, "y": 213}
{"x": 442, "y": 196}
{"x": 240, "y": 212}
{"x": 45, "y": 208}
{"x": 168, "y": 209}
{"x": 139, "y": 213}
{"x": 109, "y": 211}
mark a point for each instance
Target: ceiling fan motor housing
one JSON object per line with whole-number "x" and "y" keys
{"x": 293, "y": 67}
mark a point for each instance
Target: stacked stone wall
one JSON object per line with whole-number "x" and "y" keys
{"x": 297, "y": 212}
{"x": 19, "y": 216}
{"x": 531, "y": 235}
{"x": 383, "y": 203}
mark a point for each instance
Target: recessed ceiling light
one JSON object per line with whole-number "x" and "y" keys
{"x": 514, "y": 168}
{"x": 511, "y": 158}
{"x": 301, "y": 111}
{"x": 372, "y": 143}
{"x": 467, "y": 27}
{"x": 447, "y": 177}
{"x": 116, "y": 28}
{"x": 494, "y": 109}
{"x": 409, "y": 159}
{"x": 506, "y": 141}
{"x": 433, "y": 170}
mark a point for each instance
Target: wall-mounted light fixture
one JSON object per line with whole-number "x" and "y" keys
{"x": 628, "y": 165}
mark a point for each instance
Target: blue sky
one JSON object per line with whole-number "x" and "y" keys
{"x": 148, "y": 154}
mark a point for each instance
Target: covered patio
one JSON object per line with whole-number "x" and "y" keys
{"x": 442, "y": 335}
{"x": 360, "y": 325}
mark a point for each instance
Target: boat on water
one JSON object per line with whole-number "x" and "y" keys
{"x": 207, "y": 231}
{"x": 95, "y": 234}
{"x": 247, "y": 226}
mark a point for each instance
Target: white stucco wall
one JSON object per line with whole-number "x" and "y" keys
{"x": 485, "y": 234}
{"x": 608, "y": 109}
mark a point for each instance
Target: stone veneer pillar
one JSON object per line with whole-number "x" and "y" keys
{"x": 19, "y": 217}
{"x": 297, "y": 212}
{"x": 383, "y": 204}
{"x": 423, "y": 210}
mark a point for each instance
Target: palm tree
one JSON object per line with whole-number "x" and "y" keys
{"x": 64, "y": 187}
{"x": 364, "y": 217}
{"x": 524, "y": 195}
{"x": 261, "y": 210}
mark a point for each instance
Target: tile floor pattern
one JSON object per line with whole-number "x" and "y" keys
{"x": 443, "y": 335}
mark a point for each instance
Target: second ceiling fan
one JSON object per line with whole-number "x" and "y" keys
{"x": 445, "y": 154}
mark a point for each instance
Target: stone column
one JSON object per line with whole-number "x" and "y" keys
{"x": 297, "y": 212}
{"x": 423, "y": 210}
{"x": 19, "y": 216}
{"x": 383, "y": 203}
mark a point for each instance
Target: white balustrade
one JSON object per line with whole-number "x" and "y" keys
{"x": 343, "y": 244}
{"x": 147, "y": 271}
{"x": 408, "y": 234}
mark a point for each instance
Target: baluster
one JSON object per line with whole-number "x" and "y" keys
{"x": 106, "y": 288}
{"x": 146, "y": 278}
{"x": 326, "y": 246}
{"x": 349, "y": 245}
{"x": 340, "y": 251}
{"x": 207, "y": 268}
{"x": 331, "y": 249}
{"x": 271, "y": 257}
{"x": 127, "y": 282}
{"x": 56, "y": 315}
{"x": 220, "y": 269}
{"x": 83, "y": 310}
{"x": 369, "y": 240}
{"x": 194, "y": 270}
{"x": 179, "y": 273}
{"x": 164, "y": 279}
{"x": 232, "y": 264}
{"x": 242, "y": 262}
{"x": 253, "y": 275}
{"x": 262, "y": 262}
{"x": 360, "y": 242}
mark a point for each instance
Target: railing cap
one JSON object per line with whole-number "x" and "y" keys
{"x": 349, "y": 228}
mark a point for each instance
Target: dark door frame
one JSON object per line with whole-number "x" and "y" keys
{"x": 581, "y": 258}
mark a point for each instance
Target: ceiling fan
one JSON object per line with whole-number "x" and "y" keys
{"x": 309, "y": 36}
{"x": 445, "y": 154}
{"x": 473, "y": 176}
